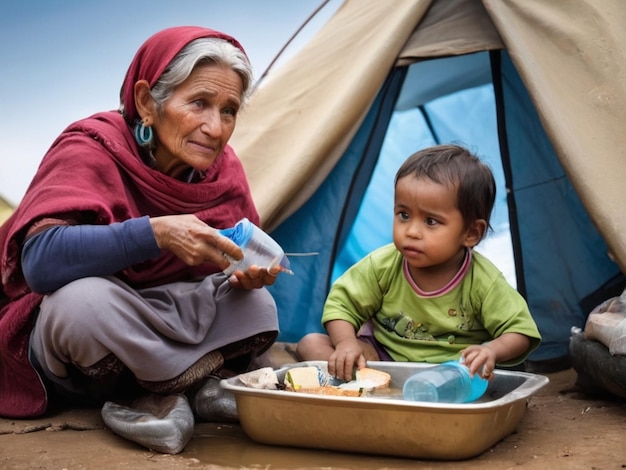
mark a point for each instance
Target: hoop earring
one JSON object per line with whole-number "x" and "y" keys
{"x": 143, "y": 134}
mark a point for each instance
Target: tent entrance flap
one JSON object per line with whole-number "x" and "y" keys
{"x": 324, "y": 221}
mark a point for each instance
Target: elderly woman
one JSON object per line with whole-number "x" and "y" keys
{"x": 112, "y": 281}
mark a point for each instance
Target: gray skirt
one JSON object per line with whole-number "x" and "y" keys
{"x": 157, "y": 332}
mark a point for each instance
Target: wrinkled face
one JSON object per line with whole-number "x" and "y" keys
{"x": 428, "y": 228}
{"x": 198, "y": 119}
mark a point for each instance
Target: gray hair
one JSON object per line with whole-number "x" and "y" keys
{"x": 202, "y": 51}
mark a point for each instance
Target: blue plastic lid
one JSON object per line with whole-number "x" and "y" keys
{"x": 240, "y": 233}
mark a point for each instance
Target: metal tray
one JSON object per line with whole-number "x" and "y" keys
{"x": 385, "y": 425}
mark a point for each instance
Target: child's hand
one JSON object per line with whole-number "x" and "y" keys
{"x": 483, "y": 358}
{"x": 348, "y": 355}
{"x": 480, "y": 359}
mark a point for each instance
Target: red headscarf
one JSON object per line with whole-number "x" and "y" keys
{"x": 94, "y": 172}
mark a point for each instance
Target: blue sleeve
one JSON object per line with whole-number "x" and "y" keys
{"x": 65, "y": 253}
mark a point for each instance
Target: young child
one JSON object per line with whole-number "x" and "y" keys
{"x": 428, "y": 297}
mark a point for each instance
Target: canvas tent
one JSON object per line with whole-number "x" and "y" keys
{"x": 5, "y": 210}
{"x": 312, "y": 138}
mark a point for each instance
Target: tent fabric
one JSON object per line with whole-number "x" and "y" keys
{"x": 290, "y": 137}
{"x": 451, "y": 27}
{"x": 560, "y": 256}
{"x": 309, "y": 137}
{"x": 571, "y": 56}
{"x": 323, "y": 223}
{"x": 5, "y": 210}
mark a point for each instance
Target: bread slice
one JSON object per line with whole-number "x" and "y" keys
{"x": 378, "y": 378}
{"x": 367, "y": 380}
{"x": 331, "y": 390}
{"x": 303, "y": 377}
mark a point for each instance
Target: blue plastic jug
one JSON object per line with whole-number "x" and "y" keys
{"x": 449, "y": 382}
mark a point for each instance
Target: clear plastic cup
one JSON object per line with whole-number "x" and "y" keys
{"x": 258, "y": 248}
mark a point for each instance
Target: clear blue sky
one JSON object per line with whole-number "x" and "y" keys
{"x": 63, "y": 60}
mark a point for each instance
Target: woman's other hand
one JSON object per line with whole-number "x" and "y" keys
{"x": 254, "y": 278}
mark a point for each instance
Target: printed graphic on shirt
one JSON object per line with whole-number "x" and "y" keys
{"x": 406, "y": 327}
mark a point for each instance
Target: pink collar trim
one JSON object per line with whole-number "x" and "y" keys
{"x": 455, "y": 281}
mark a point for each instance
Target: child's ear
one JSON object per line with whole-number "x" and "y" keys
{"x": 475, "y": 233}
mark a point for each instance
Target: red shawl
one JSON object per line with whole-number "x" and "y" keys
{"x": 94, "y": 169}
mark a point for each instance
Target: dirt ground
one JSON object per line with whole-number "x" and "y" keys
{"x": 562, "y": 428}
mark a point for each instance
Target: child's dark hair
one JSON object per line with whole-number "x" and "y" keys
{"x": 453, "y": 165}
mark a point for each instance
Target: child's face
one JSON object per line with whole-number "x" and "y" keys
{"x": 428, "y": 228}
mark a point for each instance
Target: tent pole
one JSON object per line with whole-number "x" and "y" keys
{"x": 508, "y": 174}
{"x": 293, "y": 36}
{"x": 429, "y": 123}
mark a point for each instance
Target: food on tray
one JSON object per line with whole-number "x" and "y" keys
{"x": 332, "y": 390}
{"x": 264, "y": 378}
{"x": 313, "y": 379}
{"x": 373, "y": 378}
{"x": 305, "y": 377}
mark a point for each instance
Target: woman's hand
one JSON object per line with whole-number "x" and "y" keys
{"x": 254, "y": 278}
{"x": 193, "y": 241}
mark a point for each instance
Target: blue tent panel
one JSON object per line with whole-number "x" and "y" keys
{"x": 324, "y": 221}
{"x": 560, "y": 255}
